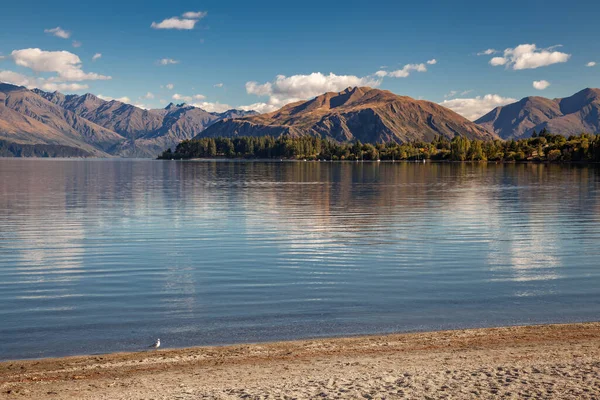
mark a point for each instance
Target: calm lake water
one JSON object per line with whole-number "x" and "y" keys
{"x": 107, "y": 255}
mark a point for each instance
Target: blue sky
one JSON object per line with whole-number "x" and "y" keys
{"x": 341, "y": 43}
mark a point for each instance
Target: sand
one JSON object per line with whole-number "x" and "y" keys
{"x": 550, "y": 361}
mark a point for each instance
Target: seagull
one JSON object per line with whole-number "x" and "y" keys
{"x": 156, "y": 344}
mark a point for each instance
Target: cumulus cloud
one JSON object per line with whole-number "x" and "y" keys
{"x": 474, "y": 108}
{"x": 67, "y": 65}
{"x": 180, "y": 97}
{"x": 188, "y": 99}
{"x": 58, "y": 32}
{"x": 149, "y": 95}
{"x": 496, "y": 61}
{"x": 487, "y": 52}
{"x": 123, "y": 99}
{"x": 167, "y": 61}
{"x": 29, "y": 82}
{"x": 432, "y": 62}
{"x": 15, "y": 78}
{"x": 187, "y": 21}
{"x": 451, "y": 93}
{"x": 405, "y": 71}
{"x": 195, "y": 14}
{"x": 212, "y": 107}
{"x": 591, "y": 64}
{"x": 170, "y": 86}
{"x": 541, "y": 85}
{"x": 63, "y": 87}
{"x": 260, "y": 108}
{"x": 76, "y": 44}
{"x": 97, "y": 56}
{"x": 287, "y": 89}
{"x": 218, "y": 85}
{"x": 528, "y": 56}
{"x": 175, "y": 23}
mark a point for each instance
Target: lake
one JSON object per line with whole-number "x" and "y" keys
{"x": 107, "y": 255}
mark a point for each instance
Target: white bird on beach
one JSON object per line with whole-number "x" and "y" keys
{"x": 156, "y": 344}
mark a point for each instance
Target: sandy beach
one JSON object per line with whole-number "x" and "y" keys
{"x": 550, "y": 361}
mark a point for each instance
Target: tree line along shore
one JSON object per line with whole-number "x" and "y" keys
{"x": 542, "y": 147}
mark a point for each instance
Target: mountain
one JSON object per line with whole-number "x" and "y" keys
{"x": 567, "y": 116}
{"x": 28, "y": 119}
{"x": 87, "y": 125}
{"x": 360, "y": 113}
{"x": 146, "y": 132}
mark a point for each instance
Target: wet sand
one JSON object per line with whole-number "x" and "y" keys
{"x": 550, "y": 361}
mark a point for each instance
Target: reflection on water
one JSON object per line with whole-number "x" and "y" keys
{"x": 106, "y": 255}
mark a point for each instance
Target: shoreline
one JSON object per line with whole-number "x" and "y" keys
{"x": 467, "y": 363}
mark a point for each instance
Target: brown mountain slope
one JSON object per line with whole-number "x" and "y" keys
{"x": 360, "y": 113}
{"x": 145, "y": 133}
{"x": 568, "y": 116}
{"x": 28, "y": 118}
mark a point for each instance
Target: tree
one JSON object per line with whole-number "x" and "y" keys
{"x": 460, "y": 148}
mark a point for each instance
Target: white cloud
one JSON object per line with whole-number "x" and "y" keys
{"x": 123, "y": 99}
{"x": 260, "y": 108}
{"x": 14, "y": 78}
{"x": 167, "y": 61}
{"x": 432, "y": 62}
{"x": 170, "y": 86}
{"x": 97, "y": 56}
{"x": 218, "y": 85}
{"x": 67, "y": 65}
{"x": 58, "y": 32}
{"x": 188, "y": 21}
{"x": 487, "y": 52}
{"x": 404, "y": 72}
{"x": 175, "y": 23}
{"x": 40, "y": 83}
{"x": 64, "y": 87}
{"x": 591, "y": 64}
{"x": 496, "y": 61}
{"x": 213, "y": 107}
{"x": 76, "y": 44}
{"x": 474, "y": 108}
{"x": 188, "y": 99}
{"x": 180, "y": 97}
{"x": 194, "y": 14}
{"x": 149, "y": 95}
{"x": 528, "y": 56}
{"x": 287, "y": 89}
{"x": 541, "y": 85}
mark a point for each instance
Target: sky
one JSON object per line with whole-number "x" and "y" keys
{"x": 470, "y": 56}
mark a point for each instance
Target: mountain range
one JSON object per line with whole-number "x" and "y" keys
{"x": 39, "y": 123}
{"x": 359, "y": 113}
{"x": 89, "y": 126}
{"x": 567, "y": 116}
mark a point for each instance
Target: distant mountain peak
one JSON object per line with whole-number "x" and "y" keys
{"x": 565, "y": 116}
